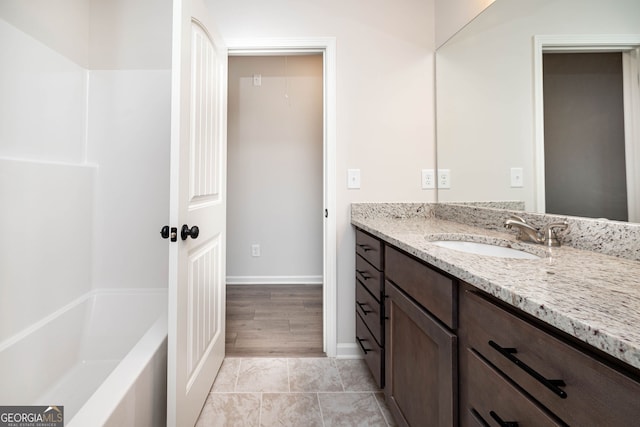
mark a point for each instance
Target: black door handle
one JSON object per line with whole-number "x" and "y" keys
{"x": 364, "y": 310}
{"x": 360, "y": 341}
{"x": 501, "y": 422}
{"x": 553, "y": 385}
{"x": 186, "y": 232}
{"x": 167, "y": 232}
{"x": 363, "y": 274}
{"x": 365, "y": 247}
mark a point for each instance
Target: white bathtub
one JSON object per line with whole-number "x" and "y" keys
{"x": 103, "y": 357}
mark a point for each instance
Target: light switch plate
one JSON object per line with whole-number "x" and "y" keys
{"x": 517, "y": 180}
{"x": 353, "y": 179}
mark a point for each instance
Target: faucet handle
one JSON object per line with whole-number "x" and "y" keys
{"x": 550, "y": 232}
{"x": 518, "y": 218}
{"x": 513, "y": 218}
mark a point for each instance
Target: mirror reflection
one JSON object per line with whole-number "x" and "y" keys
{"x": 505, "y": 134}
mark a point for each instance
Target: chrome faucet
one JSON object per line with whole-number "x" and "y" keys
{"x": 527, "y": 233}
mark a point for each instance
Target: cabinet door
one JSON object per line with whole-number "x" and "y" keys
{"x": 421, "y": 374}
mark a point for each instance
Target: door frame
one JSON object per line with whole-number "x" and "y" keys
{"x": 326, "y": 46}
{"x": 591, "y": 43}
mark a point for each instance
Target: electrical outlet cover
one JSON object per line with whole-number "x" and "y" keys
{"x": 444, "y": 178}
{"x": 428, "y": 179}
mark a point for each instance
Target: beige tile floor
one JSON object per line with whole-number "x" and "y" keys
{"x": 291, "y": 392}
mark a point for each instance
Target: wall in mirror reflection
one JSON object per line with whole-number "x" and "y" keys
{"x": 486, "y": 117}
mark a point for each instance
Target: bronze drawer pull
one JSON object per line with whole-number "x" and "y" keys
{"x": 364, "y": 247}
{"x": 366, "y": 350}
{"x": 363, "y": 274}
{"x": 364, "y": 310}
{"x": 501, "y": 422}
{"x": 552, "y": 385}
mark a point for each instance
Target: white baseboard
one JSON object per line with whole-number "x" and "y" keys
{"x": 348, "y": 351}
{"x": 274, "y": 280}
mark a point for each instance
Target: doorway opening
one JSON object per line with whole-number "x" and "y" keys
{"x": 281, "y": 191}
{"x": 625, "y": 51}
{"x": 274, "y": 205}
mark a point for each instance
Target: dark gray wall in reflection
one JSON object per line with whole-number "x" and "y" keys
{"x": 584, "y": 135}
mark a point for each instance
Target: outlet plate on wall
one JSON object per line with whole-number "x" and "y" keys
{"x": 255, "y": 250}
{"x": 444, "y": 178}
{"x": 428, "y": 179}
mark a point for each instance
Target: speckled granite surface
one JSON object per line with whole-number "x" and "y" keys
{"x": 615, "y": 238}
{"x": 590, "y": 295}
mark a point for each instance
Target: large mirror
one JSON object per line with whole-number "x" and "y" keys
{"x": 489, "y": 87}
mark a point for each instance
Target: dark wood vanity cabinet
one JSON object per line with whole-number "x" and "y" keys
{"x": 449, "y": 354}
{"x": 513, "y": 370}
{"x": 421, "y": 346}
{"x": 370, "y": 302}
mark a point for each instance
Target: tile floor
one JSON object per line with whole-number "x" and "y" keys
{"x": 305, "y": 392}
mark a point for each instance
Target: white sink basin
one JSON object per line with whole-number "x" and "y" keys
{"x": 484, "y": 249}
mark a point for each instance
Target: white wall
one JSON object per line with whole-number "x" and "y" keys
{"x": 62, "y": 25}
{"x": 132, "y": 35}
{"x": 45, "y": 187}
{"x": 129, "y": 138}
{"x": 384, "y": 100}
{"x": 451, "y": 16}
{"x": 274, "y": 164}
{"x": 45, "y": 250}
{"x": 56, "y": 116}
{"x": 43, "y": 101}
{"x": 485, "y": 90}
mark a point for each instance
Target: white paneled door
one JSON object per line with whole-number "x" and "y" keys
{"x": 198, "y": 211}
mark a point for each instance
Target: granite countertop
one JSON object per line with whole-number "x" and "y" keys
{"x": 589, "y": 295}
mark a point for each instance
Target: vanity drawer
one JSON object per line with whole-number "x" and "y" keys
{"x": 369, "y": 310}
{"x": 493, "y": 397}
{"x": 372, "y": 351}
{"x": 434, "y": 291}
{"x": 369, "y": 248}
{"x": 369, "y": 277}
{"x": 593, "y": 394}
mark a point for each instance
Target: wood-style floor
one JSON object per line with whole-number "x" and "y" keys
{"x": 274, "y": 321}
